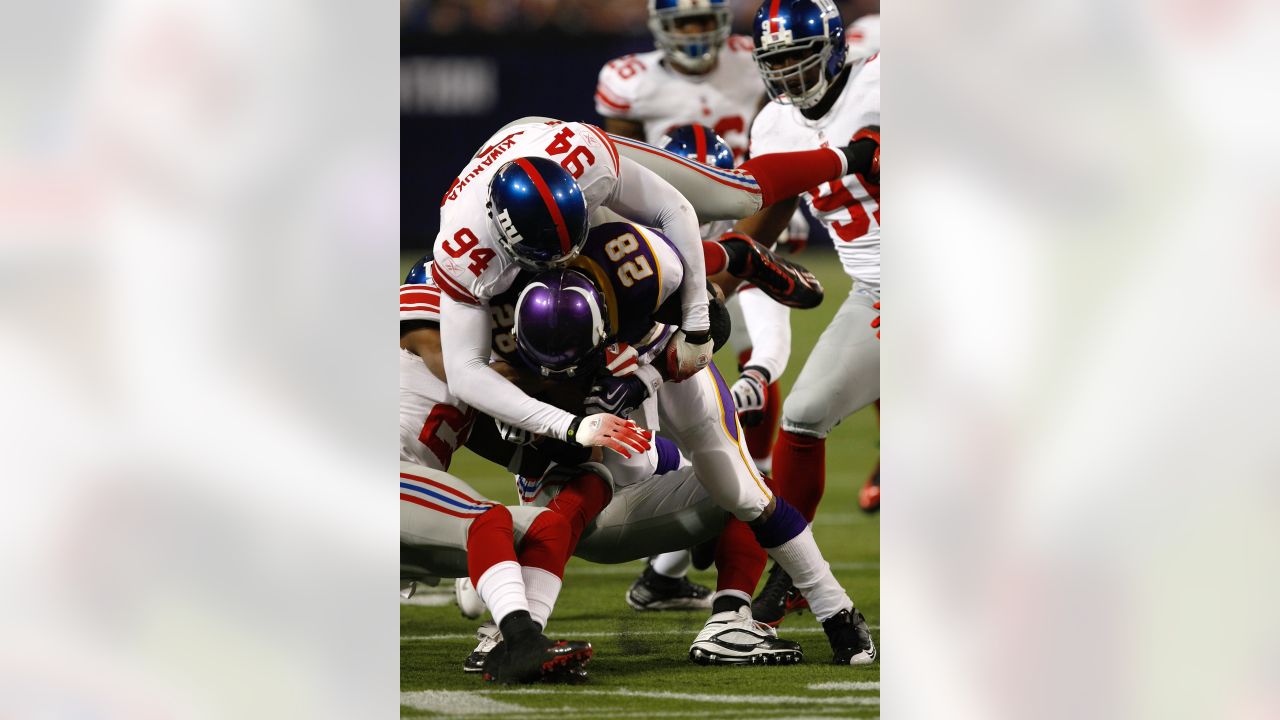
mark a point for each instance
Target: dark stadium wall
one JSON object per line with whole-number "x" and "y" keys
{"x": 456, "y": 91}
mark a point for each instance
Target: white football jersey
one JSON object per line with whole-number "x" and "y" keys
{"x": 644, "y": 89}
{"x": 433, "y": 421}
{"x": 848, "y": 208}
{"x": 470, "y": 265}
{"x": 863, "y": 37}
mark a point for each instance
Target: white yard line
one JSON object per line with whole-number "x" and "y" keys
{"x": 457, "y": 702}
{"x": 694, "y": 697}
{"x": 867, "y": 685}
{"x": 636, "y": 568}
{"x": 556, "y": 631}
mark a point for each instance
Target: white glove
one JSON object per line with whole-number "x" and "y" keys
{"x": 750, "y": 393}
{"x": 685, "y": 358}
{"x": 604, "y": 430}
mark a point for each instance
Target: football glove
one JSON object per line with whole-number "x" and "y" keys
{"x": 616, "y": 395}
{"x": 750, "y": 393}
{"x": 620, "y": 359}
{"x": 604, "y": 430}
{"x": 876, "y": 323}
{"x": 687, "y": 354}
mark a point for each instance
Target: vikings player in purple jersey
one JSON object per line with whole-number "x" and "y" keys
{"x": 616, "y": 295}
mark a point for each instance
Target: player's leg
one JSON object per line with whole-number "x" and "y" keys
{"x": 699, "y": 413}
{"x": 869, "y": 493}
{"x": 841, "y": 376}
{"x": 768, "y": 326}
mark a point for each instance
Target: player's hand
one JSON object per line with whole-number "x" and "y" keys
{"x": 876, "y": 323}
{"x": 616, "y": 396}
{"x": 687, "y": 354}
{"x": 863, "y": 154}
{"x": 514, "y": 434}
{"x": 750, "y": 394}
{"x": 603, "y": 430}
{"x": 620, "y": 359}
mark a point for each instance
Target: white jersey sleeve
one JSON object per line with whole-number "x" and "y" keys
{"x": 623, "y": 86}
{"x": 645, "y": 198}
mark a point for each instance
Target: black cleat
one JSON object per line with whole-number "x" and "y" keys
{"x": 784, "y": 281}
{"x": 652, "y": 591}
{"x": 488, "y": 636}
{"x": 538, "y": 659}
{"x": 850, "y": 639}
{"x": 777, "y": 599}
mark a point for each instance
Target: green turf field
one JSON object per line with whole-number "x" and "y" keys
{"x": 641, "y": 666}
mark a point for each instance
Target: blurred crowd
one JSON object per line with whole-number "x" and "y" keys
{"x": 445, "y": 17}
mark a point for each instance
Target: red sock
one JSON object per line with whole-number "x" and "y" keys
{"x": 786, "y": 175}
{"x": 579, "y": 502}
{"x": 546, "y": 544}
{"x": 800, "y": 470}
{"x": 760, "y": 437}
{"x": 716, "y": 257}
{"x": 489, "y": 542}
{"x": 740, "y": 560}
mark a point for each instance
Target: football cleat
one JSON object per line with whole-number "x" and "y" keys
{"x": 786, "y": 282}
{"x": 778, "y": 598}
{"x": 850, "y": 638}
{"x": 733, "y": 638}
{"x": 652, "y": 591}
{"x": 869, "y": 495}
{"x": 489, "y": 636}
{"x": 538, "y": 660}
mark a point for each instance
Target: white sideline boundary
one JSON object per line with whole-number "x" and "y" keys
{"x": 556, "y": 631}
{"x": 473, "y": 703}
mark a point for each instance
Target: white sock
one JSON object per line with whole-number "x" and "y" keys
{"x": 541, "y": 588}
{"x": 811, "y": 573}
{"x": 502, "y": 589}
{"x": 672, "y": 564}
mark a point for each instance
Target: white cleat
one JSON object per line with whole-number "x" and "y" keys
{"x": 733, "y": 638}
{"x": 489, "y": 636}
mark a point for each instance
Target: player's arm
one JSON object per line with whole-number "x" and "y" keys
{"x": 466, "y": 340}
{"x": 643, "y": 197}
{"x": 626, "y": 128}
{"x": 765, "y": 226}
{"x": 424, "y": 341}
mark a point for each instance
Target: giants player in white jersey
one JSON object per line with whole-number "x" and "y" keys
{"x": 820, "y": 99}
{"x": 699, "y": 74}
{"x": 515, "y": 556}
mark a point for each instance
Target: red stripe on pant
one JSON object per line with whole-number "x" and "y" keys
{"x": 800, "y": 471}
{"x": 490, "y": 540}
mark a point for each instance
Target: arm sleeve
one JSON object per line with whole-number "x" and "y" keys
{"x": 645, "y": 198}
{"x": 465, "y": 340}
{"x": 769, "y": 327}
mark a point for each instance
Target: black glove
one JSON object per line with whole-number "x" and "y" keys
{"x": 616, "y": 395}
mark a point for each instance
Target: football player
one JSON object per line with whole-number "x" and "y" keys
{"x": 820, "y": 98}
{"x": 514, "y": 556}
{"x": 566, "y": 318}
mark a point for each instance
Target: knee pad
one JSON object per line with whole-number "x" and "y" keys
{"x": 808, "y": 413}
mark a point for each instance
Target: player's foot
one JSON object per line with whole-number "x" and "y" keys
{"x": 782, "y": 280}
{"x": 850, "y": 638}
{"x": 652, "y": 591}
{"x": 469, "y": 602}
{"x": 869, "y": 495}
{"x": 538, "y": 659}
{"x": 733, "y": 638}
{"x": 489, "y": 636}
{"x": 777, "y": 599}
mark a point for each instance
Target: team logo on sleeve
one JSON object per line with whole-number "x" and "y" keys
{"x": 508, "y": 228}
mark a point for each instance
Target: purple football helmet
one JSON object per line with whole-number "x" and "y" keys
{"x": 560, "y": 322}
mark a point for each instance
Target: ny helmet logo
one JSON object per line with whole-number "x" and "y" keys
{"x": 508, "y": 228}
